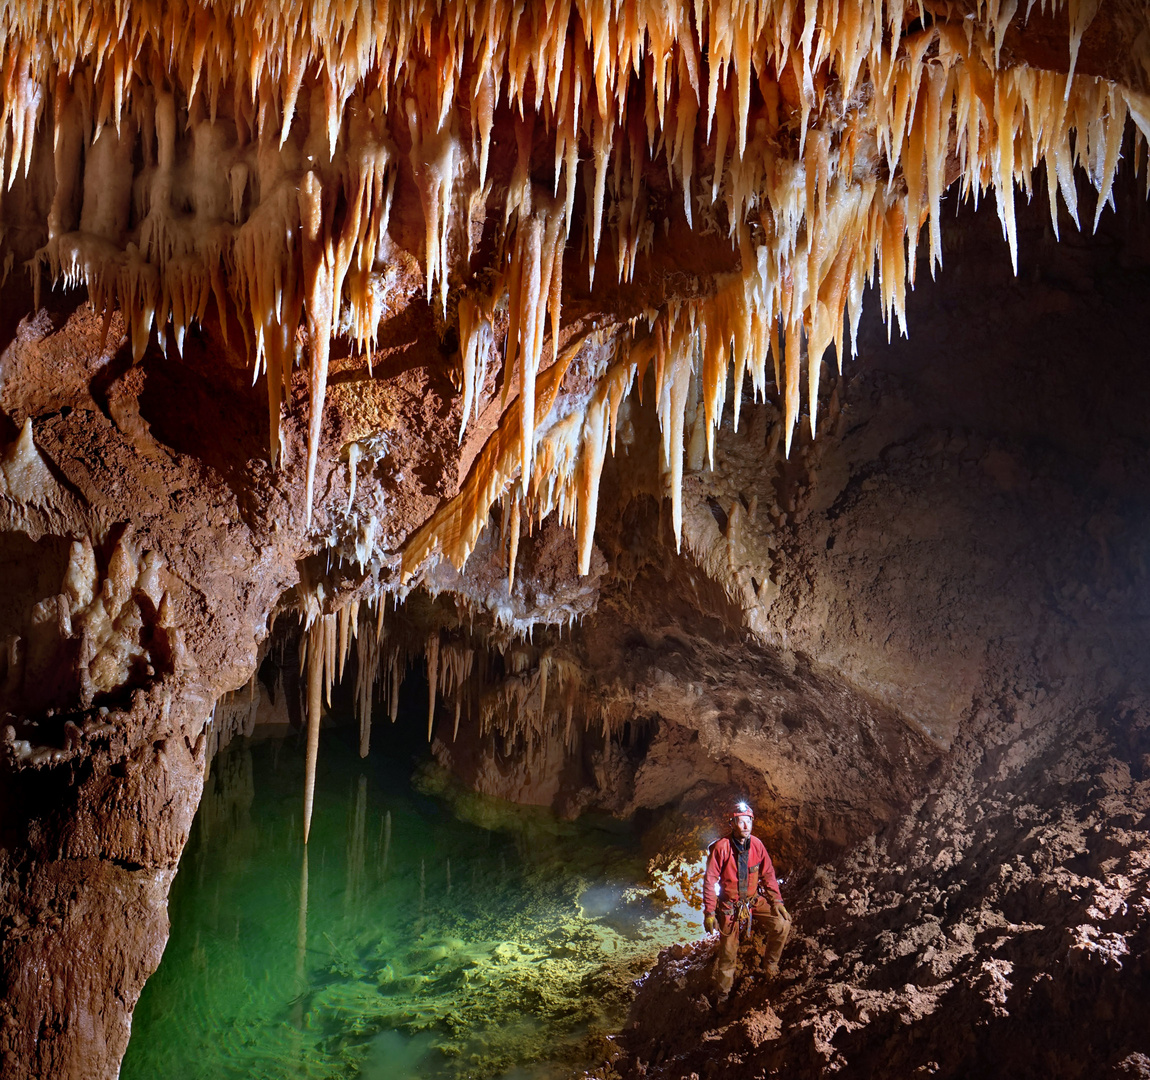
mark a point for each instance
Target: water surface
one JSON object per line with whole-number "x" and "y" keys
{"x": 440, "y": 935}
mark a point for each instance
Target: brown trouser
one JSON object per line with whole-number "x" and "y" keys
{"x": 776, "y": 928}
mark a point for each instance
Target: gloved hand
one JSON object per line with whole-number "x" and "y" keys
{"x": 779, "y": 911}
{"x": 709, "y": 922}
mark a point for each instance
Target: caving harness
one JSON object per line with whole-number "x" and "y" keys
{"x": 745, "y": 914}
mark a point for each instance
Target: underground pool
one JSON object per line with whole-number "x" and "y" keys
{"x": 425, "y": 933}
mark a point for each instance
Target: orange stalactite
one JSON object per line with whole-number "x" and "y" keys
{"x": 251, "y": 163}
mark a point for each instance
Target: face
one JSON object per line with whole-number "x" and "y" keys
{"x": 742, "y": 827}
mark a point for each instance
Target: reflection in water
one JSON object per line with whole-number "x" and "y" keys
{"x": 423, "y": 933}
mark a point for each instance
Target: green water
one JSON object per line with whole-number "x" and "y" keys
{"x": 443, "y": 935}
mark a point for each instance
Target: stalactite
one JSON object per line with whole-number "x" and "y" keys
{"x": 434, "y": 153}
{"x": 512, "y": 533}
{"x": 393, "y": 688}
{"x": 319, "y": 661}
{"x": 357, "y": 846}
{"x": 177, "y": 181}
{"x": 368, "y": 647}
{"x": 477, "y": 338}
{"x": 455, "y": 527}
{"x": 432, "y": 680}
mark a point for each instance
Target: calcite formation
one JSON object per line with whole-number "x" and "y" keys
{"x": 189, "y": 155}
{"x": 347, "y": 311}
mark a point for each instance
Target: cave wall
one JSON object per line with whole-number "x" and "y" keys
{"x": 932, "y": 611}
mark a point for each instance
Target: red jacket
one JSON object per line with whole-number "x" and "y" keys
{"x": 723, "y": 867}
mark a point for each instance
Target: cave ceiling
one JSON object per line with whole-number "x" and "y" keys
{"x": 505, "y": 339}
{"x": 545, "y": 212}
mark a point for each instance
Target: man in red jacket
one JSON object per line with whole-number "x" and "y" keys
{"x": 740, "y": 885}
